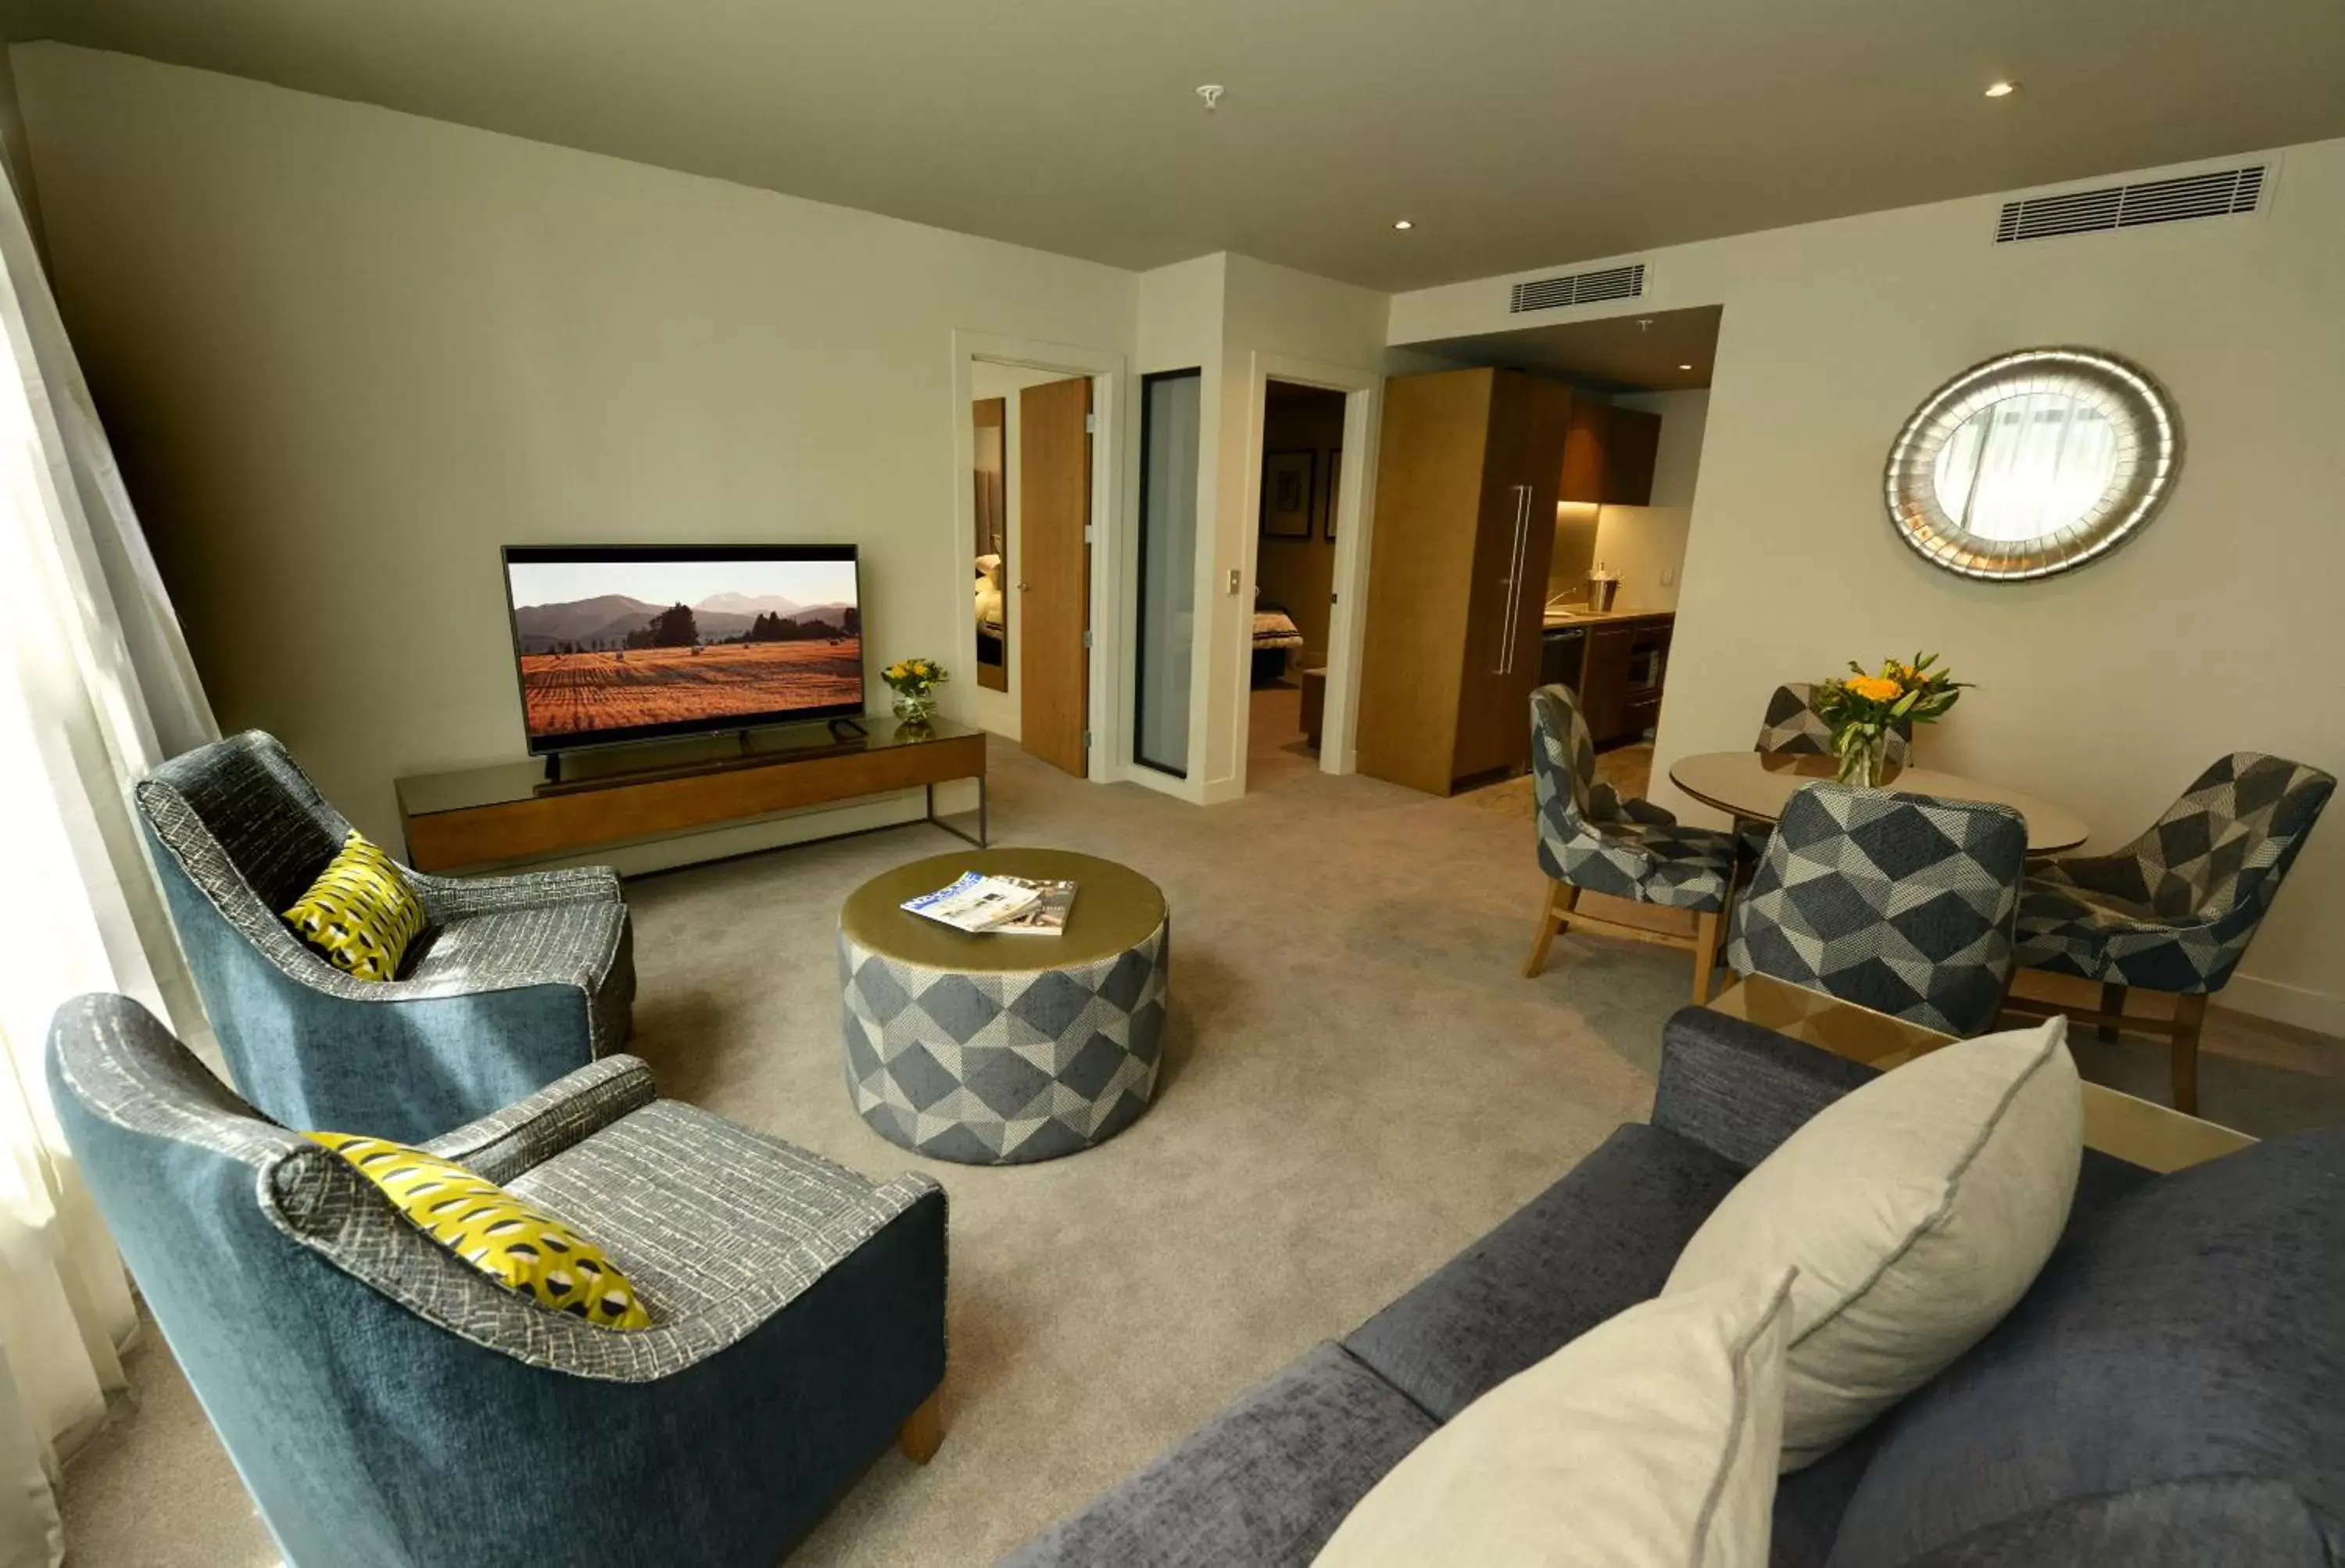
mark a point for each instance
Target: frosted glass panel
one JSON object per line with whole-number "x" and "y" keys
{"x": 1168, "y": 569}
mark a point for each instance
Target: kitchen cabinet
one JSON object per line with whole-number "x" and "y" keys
{"x": 1620, "y": 687}
{"x": 1465, "y": 489}
{"x": 1608, "y": 454}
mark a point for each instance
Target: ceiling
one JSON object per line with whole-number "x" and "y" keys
{"x": 1514, "y": 135}
{"x": 1652, "y": 350}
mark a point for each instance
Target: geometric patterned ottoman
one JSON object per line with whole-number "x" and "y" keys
{"x": 1002, "y": 1050}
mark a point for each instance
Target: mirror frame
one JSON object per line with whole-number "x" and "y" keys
{"x": 2150, "y": 456}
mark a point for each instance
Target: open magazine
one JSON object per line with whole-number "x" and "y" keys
{"x": 976, "y": 902}
{"x": 1047, "y": 915}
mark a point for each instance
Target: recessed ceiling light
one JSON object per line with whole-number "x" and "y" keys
{"x": 2002, "y": 89}
{"x": 1402, "y": 224}
{"x": 1685, "y": 367}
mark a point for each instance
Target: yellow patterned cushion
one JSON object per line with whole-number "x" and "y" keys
{"x": 360, "y": 912}
{"x": 521, "y": 1248}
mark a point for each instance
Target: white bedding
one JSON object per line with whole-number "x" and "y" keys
{"x": 988, "y": 608}
{"x": 1275, "y": 629}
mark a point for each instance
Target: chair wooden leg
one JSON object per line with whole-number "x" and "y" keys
{"x": 923, "y": 1432}
{"x": 2113, "y": 1001}
{"x": 1706, "y": 930}
{"x": 2189, "y": 1011}
{"x": 1553, "y": 916}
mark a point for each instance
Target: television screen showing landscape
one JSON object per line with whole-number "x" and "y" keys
{"x": 620, "y": 645}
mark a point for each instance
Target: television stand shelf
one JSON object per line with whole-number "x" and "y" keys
{"x": 477, "y": 817}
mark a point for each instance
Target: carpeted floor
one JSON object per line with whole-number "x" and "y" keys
{"x": 1358, "y": 1082}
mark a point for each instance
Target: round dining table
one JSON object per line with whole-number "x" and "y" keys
{"x": 1754, "y": 785}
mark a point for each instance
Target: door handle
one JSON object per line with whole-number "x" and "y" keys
{"x": 1512, "y": 621}
{"x": 1021, "y": 588}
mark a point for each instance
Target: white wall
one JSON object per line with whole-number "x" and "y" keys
{"x": 347, "y": 353}
{"x": 1645, "y": 547}
{"x": 2107, "y": 690}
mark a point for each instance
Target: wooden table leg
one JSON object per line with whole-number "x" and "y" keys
{"x": 2189, "y": 1012}
{"x": 923, "y": 1432}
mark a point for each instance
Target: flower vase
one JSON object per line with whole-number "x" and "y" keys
{"x": 1862, "y": 756}
{"x": 916, "y": 708}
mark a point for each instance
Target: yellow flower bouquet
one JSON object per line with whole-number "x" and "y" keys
{"x": 1863, "y": 710}
{"x": 915, "y": 681}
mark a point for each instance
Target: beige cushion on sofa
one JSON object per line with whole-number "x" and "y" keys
{"x": 1917, "y": 1211}
{"x": 1649, "y": 1441}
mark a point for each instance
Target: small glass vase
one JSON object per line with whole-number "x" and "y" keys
{"x": 916, "y": 708}
{"x": 1862, "y": 759}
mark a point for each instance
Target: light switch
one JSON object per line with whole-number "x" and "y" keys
{"x": 1233, "y": 579}
{"x": 1668, "y": 576}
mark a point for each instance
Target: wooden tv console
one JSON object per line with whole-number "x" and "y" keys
{"x": 478, "y": 817}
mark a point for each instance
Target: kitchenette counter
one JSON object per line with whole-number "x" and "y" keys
{"x": 1554, "y": 619}
{"x": 1615, "y": 661}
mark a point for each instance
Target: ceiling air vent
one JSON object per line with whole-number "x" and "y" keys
{"x": 2220, "y": 193}
{"x": 1580, "y": 289}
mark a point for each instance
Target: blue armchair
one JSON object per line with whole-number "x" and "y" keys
{"x": 387, "y": 1404}
{"x": 515, "y": 982}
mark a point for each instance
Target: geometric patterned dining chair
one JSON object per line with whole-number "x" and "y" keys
{"x": 1592, "y": 840}
{"x": 2174, "y": 911}
{"x": 1794, "y": 728}
{"x": 1901, "y": 903}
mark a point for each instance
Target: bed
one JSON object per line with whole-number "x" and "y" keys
{"x": 1275, "y": 636}
{"x": 990, "y": 622}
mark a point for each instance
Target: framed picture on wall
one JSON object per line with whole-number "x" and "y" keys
{"x": 1287, "y": 494}
{"x": 1329, "y": 491}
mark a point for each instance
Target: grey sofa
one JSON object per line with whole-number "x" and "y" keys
{"x": 515, "y": 982}
{"x": 2171, "y": 1392}
{"x": 387, "y": 1405}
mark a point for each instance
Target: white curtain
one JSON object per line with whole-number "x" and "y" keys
{"x": 96, "y": 687}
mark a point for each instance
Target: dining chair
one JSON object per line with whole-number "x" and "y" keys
{"x": 1794, "y": 727}
{"x": 1900, "y": 903}
{"x": 1592, "y": 840}
{"x": 2174, "y": 909}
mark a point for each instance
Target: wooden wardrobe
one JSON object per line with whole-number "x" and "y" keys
{"x": 1465, "y": 493}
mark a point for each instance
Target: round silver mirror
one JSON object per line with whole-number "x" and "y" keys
{"x": 2033, "y": 463}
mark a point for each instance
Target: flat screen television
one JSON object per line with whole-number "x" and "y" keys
{"x": 620, "y": 643}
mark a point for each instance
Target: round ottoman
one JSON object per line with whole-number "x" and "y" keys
{"x": 1000, "y": 1050}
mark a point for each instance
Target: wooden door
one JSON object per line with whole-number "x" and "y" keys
{"x": 1503, "y": 522}
{"x": 1528, "y": 421}
{"x": 1546, "y": 418}
{"x": 1054, "y": 583}
{"x": 1430, "y": 468}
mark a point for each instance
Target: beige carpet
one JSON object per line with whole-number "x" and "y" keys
{"x": 1358, "y": 1083}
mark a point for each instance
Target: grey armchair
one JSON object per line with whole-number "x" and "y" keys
{"x": 516, "y": 981}
{"x": 386, "y": 1404}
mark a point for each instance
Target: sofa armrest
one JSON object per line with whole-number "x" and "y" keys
{"x": 1740, "y": 1090}
{"x": 501, "y": 1145}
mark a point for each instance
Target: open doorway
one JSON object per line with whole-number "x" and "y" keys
{"x": 1032, "y": 482}
{"x": 1296, "y": 527}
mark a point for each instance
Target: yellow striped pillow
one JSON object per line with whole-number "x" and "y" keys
{"x": 360, "y": 912}
{"x": 525, "y": 1250}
